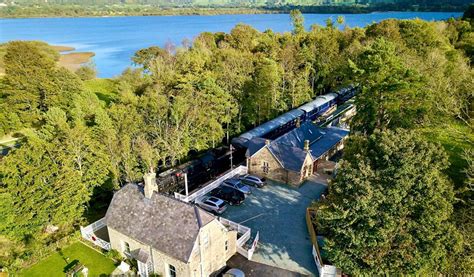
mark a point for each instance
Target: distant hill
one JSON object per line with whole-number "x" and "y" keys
{"x": 247, "y": 3}
{"x": 78, "y": 8}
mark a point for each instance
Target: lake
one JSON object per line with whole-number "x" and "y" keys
{"x": 115, "y": 39}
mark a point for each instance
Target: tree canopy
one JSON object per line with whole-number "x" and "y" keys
{"x": 388, "y": 209}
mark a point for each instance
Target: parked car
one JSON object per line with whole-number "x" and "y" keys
{"x": 236, "y": 184}
{"x": 252, "y": 180}
{"x": 213, "y": 205}
{"x": 228, "y": 194}
{"x": 234, "y": 272}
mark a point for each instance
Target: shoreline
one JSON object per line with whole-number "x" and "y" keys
{"x": 220, "y": 11}
{"x": 67, "y": 58}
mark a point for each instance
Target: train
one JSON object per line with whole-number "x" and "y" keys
{"x": 216, "y": 161}
{"x": 288, "y": 121}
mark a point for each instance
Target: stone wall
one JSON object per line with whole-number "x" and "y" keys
{"x": 274, "y": 171}
{"x": 211, "y": 244}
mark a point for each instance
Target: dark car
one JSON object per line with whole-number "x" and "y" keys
{"x": 228, "y": 194}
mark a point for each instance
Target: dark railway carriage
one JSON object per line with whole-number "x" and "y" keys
{"x": 270, "y": 129}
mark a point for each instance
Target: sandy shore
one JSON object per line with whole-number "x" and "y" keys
{"x": 71, "y": 61}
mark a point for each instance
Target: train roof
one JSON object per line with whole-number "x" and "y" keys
{"x": 271, "y": 125}
{"x": 320, "y": 100}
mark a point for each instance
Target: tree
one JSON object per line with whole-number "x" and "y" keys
{"x": 33, "y": 83}
{"x": 50, "y": 179}
{"x": 390, "y": 95}
{"x": 388, "y": 208}
{"x": 86, "y": 72}
{"x": 297, "y": 20}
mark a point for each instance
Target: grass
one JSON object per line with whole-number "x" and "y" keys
{"x": 54, "y": 265}
{"x": 455, "y": 137}
{"x": 103, "y": 88}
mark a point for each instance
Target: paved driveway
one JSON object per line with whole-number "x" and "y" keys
{"x": 278, "y": 212}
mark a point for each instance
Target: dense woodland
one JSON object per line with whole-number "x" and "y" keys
{"x": 72, "y": 8}
{"x": 82, "y": 138}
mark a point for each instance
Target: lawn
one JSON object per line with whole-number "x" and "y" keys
{"x": 54, "y": 265}
{"x": 455, "y": 138}
{"x": 103, "y": 88}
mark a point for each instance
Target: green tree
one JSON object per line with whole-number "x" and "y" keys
{"x": 388, "y": 208}
{"x": 297, "y": 20}
{"x": 389, "y": 95}
{"x": 50, "y": 179}
{"x": 33, "y": 83}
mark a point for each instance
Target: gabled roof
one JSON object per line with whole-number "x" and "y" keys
{"x": 254, "y": 145}
{"x": 292, "y": 158}
{"x": 165, "y": 223}
{"x": 288, "y": 149}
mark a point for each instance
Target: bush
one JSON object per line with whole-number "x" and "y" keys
{"x": 114, "y": 255}
{"x": 86, "y": 72}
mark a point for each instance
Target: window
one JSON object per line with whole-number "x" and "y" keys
{"x": 226, "y": 245}
{"x": 171, "y": 271}
{"x": 265, "y": 167}
{"x": 125, "y": 248}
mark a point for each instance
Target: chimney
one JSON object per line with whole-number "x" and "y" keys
{"x": 150, "y": 184}
{"x": 267, "y": 142}
{"x": 298, "y": 122}
{"x": 306, "y": 145}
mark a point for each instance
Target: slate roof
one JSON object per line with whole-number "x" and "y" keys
{"x": 165, "y": 223}
{"x": 331, "y": 136}
{"x": 289, "y": 148}
{"x": 292, "y": 158}
{"x": 254, "y": 145}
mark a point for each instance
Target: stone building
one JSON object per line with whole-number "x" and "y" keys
{"x": 294, "y": 156}
{"x": 166, "y": 236}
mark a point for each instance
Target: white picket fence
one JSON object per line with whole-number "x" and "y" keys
{"x": 245, "y": 236}
{"x": 88, "y": 234}
{"x": 240, "y": 170}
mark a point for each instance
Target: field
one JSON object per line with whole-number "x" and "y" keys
{"x": 54, "y": 265}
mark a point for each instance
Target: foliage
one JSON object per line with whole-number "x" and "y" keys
{"x": 74, "y": 8}
{"x": 389, "y": 207}
{"x": 389, "y": 94}
{"x": 114, "y": 255}
{"x": 86, "y": 138}
{"x": 86, "y": 72}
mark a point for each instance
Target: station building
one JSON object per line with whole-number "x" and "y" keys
{"x": 294, "y": 156}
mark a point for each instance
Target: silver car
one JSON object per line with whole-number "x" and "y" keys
{"x": 236, "y": 184}
{"x": 252, "y": 180}
{"x": 213, "y": 205}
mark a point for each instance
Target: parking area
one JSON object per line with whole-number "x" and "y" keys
{"x": 277, "y": 211}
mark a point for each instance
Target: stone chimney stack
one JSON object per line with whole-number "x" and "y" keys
{"x": 150, "y": 184}
{"x": 267, "y": 142}
{"x": 306, "y": 145}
